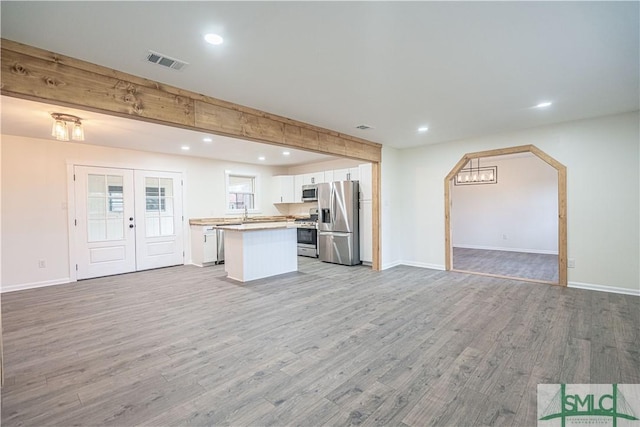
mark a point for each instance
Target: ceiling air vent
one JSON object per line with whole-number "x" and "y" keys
{"x": 165, "y": 61}
{"x": 363, "y": 127}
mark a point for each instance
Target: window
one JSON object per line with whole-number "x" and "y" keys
{"x": 241, "y": 192}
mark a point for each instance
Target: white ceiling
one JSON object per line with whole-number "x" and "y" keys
{"x": 462, "y": 68}
{"x": 33, "y": 119}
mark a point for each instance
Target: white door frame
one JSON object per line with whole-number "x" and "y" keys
{"x": 71, "y": 202}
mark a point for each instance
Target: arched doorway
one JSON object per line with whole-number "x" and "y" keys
{"x": 562, "y": 201}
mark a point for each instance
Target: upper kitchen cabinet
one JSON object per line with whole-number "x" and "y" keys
{"x": 349, "y": 174}
{"x": 314, "y": 178}
{"x": 284, "y": 189}
{"x": 365, "y": 175}
{"x": 297, "y": 188}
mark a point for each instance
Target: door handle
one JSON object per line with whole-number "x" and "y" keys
{"x": 130, "y": 218}
{"x": 131, "y": 225}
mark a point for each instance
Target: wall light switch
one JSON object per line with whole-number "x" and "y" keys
{"x": 571, "y": 263}
{"x": 42, "y": 263}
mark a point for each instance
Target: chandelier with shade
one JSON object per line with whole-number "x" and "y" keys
{"x": 471, "y": 175}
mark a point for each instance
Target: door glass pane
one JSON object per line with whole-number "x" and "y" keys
{"x": 105, "y": 208}
{"x": 151, "y": 182}
{"x": 159, "y": 206}
{"x": 96, "y": 207}
{"x": 96, "y": 185}
{"x": 167, "y": 207}
{"x": 115, "y": 181}
{"x": 166, "y": 184}
{"x": 153, "y": 204}
{"x": 115, "y": 206}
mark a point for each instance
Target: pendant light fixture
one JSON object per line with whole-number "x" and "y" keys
{"x": 60, "y": 129}
{"x": 476, "y": 175}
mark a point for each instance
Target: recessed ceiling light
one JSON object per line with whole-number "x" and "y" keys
{"x": 207, "y": 139}
{"x": 423, "y": 129}
{"x": 185, "y": 147}
{"x": 544, "y": 104}
{"x": 261, "y": 158}
{"x": 285, "y": 153}
{"x": 213, "y": 39}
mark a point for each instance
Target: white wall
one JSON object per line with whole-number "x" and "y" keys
{"x": 603, "y": 177}
{"x": 34, "y": 199}
{"x": 518, "y": 213}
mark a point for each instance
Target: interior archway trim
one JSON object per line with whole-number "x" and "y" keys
{"x": 562, "y": 201}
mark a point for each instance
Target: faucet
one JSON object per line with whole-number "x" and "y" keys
{"x": 246, "y": 213}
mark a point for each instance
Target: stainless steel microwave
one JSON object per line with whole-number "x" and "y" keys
{"x": 310, "y": 193}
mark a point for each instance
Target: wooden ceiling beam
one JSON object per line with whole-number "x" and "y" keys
{"x": 32, "y": 73}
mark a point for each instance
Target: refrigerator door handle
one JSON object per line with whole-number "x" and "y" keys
{"x": 333, "y": 205}
{"x": 334, "y": 233}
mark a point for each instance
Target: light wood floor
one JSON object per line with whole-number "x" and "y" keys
{"x": 327, "y": 345}
{"x": 542, "y": 267}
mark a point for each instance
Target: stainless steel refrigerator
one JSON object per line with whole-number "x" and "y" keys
{"x": 338, "y": 228}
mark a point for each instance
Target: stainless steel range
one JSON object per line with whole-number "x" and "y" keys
{"x": 308, "y": 234}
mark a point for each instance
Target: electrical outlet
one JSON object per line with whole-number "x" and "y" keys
{"x": 505, "y": 237}
{"x": 571, "y": 263}
{"x": 42, "y": 263}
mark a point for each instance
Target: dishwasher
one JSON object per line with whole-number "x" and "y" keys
{"x": 207, "y": 245}
{"x": 220, "y": 245}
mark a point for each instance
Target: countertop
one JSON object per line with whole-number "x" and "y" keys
{"x": 257, "y": 226}
{"x": 239, "y": 220}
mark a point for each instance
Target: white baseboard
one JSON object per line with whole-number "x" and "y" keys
{"x": 423, "y": 265}
{"x": 391, "y": 265}
{"x": 604, "y": 288}
{"x": 33, "y": 285}
{"x": 497, "y": 248}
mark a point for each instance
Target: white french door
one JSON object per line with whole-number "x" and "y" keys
{"x": 126, "y": 220}
{"x": 158, "y": 206}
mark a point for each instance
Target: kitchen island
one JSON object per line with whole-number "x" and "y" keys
{"x": 256, "y": 251}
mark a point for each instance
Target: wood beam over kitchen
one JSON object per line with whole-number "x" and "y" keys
{"x": 31, "y": 73}
{"x": 36, "y": 74}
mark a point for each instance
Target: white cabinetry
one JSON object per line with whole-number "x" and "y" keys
{"x": 283, "y": 189}
{"x": 364, "y": 171}
{"x": 297, "y": 188}
{"x": 349, "y": 174}
{"x": 313, "y": 178}
{"x": 328, "y": 176}
{"x": 360, "y": 173}
{"x": 366, "y": 231}
{"x": 366, "y": 213}
{"x": 204, "y": 246}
